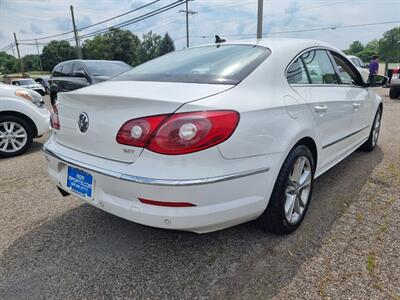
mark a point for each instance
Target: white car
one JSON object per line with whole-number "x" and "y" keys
{"x": 23, "y": 117}
{"x": 213, "y": 136}
{"x": 29, "y": 83}
{"x": 361, "y": 66}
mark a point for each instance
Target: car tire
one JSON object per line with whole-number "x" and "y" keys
{"x": 20, "y": 127}
{"x": 372, "y": 141}
{"x": 394, "y": 94}
{"x": 288, "y": 195}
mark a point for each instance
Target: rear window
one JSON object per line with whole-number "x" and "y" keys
{"x": 106, "y": 68}
{"x": 219, "y": 64}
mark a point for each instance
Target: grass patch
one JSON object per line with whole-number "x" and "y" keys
{"x": 371, "y": 262}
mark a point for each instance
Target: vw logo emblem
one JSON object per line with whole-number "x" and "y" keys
{"x": 83, "y": 122}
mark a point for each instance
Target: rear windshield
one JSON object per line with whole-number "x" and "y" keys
{"x": 106, "y": 68}
{"x": 220, "y": 64}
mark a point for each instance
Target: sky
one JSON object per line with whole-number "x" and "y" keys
{"x": 231, "y": 19}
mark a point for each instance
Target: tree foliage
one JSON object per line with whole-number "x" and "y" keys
{"x": 389, "y": 45}
{"x": 150, "y": 46}
{"x": 167, "y": 45}
{"x": 356, "y": 47}
{"x": 31, "y": 62}
{"x": 56, "y": 52}
{"x": 8, "y": 63}
{"x": 116, "y": 44}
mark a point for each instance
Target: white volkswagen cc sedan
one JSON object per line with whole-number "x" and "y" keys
{"x": 23, "y": 117}
{"x": 212, "y": 136}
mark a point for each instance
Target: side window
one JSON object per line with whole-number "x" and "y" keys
{"x": 67, "y": 69}
{"x": 355, "y": 61}
{"x": 320, "y": 67}
{"x": 347, "y": 73}
{"x": 296, "y": 73}
{"x": 57, "y": 71}
{"x": 78, "y": 67}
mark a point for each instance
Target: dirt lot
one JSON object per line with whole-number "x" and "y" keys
{"x": 348, "y": 246}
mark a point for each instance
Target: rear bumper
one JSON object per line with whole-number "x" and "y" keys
{"x": 221, "y": 201}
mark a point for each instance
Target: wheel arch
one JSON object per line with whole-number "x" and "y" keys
{"x": 310, "y": 143}
{"x": 22, "y": 116}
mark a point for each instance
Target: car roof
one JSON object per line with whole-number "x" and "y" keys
{"x": 282, "y": 46}
{"x": 352, "y": 56}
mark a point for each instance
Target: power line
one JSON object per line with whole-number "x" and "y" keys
{"x": 136, "y": 19}
{"x": 98, "y": 23}
{"x": 123, "y": 14}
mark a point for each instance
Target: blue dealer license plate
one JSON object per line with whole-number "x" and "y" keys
{"x": 80, "y": 182}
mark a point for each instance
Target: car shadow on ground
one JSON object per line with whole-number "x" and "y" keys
{"x": 86, "y": 252}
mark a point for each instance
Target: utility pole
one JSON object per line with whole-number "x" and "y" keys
{"x": 187, "y": 12}
{"x": 38, "y": 54}
{"x": 260, "y": 19}
{"x": 78, "y": 48}
{"x": 19, "y": 55}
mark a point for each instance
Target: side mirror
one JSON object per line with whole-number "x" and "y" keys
{"x": 377, "y": 80}
{"x": 79, "y": 73}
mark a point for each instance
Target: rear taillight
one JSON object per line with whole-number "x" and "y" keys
{"x": 54, "y": 119}
{"x": 180, "y": 133}
{"x": 396, "y": 71}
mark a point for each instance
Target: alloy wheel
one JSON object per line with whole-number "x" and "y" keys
{"x": 13, "y": 137}
{"x": 298, "y": 190}
{"x": 375, "y": 130}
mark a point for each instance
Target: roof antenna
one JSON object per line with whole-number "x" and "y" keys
{"x": 219, "y": 40}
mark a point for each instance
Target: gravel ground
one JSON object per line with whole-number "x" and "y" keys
{"x": 55, "y": 247}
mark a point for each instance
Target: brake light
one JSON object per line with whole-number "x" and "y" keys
{"x": 396, "y": 71}
{"x": 54, "y": 119}
{"x": 179, "y": 133}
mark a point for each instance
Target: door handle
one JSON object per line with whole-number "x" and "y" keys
{"x": 320, "y": 108}
{"x": 356, "y": 105}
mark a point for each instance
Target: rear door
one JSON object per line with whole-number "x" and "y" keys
{"x": 328, "y": 102}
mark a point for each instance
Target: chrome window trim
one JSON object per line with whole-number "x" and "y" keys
{"x": 153, "y": 181}
{"x": 329, "y": 49}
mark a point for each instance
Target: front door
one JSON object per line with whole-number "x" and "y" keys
{"x": 330, "y": 106}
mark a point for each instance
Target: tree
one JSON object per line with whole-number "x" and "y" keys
{"x": 150, "y": 47}
{"x": 31, "y": 62}
{"x": 56, "y": 52}
{"x": 116, "y": 44}
{"x": 355, "y": 47}
{"x": 166, "y": 45}
{"x": 389, "y": 45}
{"x": 8, "y": 63}
{"x": 372, "y": 45}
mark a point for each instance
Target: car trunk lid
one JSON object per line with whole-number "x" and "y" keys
{"x": 109, "y": 105}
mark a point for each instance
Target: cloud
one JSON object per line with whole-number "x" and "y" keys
{"x": 62, "y": 24}
{"x": 293, "y": 8}
{"x": 85, "y": 21}
{"x": 36, "y": 29}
